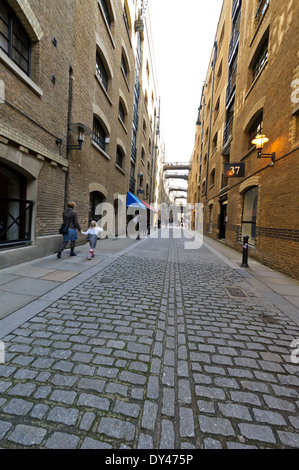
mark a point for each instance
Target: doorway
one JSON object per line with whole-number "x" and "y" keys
{"x": 223, "y": 221}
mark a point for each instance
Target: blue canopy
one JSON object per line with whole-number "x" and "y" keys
{"x": 133, "y": 201}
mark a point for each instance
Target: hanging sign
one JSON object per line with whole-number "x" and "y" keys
{"x": 234, "y": 170}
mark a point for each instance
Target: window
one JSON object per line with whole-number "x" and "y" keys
{"x": 261, "y": 58}
{"x": 214, "y": 143}
{"x": 124, "y": 66}
{"x": 99, "y": 134}
{"x": 261, "y": 10}
{"x": 219, "y": 74}
{"x": 119, "y": 157}
{"x": 212, "y": 178}
{"x": 250, "y": 215}
{"x": 14, "y": 40}
{"x": 255, "y": 129}
{"x": 121, "y": 112}
{"x": 217, "y": 106}
{"x": 101, "y": 72}
{"x": 106, "y": 12}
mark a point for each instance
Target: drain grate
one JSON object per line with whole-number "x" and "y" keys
{"x": 236, "y": 292}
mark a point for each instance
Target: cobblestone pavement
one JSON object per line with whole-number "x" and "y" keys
{"x": 153, "y": 353}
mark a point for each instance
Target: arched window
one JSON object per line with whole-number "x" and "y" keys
{"x": 124, "y": 65}
{"x": 99, "y": 134}
{"x": 121, "y": 112}
{"x": 102, "y": 72}
{"x": 106, "y": 12}
{"x": 14, "y": 39}
{"x": 212, "y": 177}
{"x": 120, "y": 157}
{"x": 250, "y": 200}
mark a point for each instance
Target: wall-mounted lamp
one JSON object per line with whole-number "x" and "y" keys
{"x": 81, "y": 131}
{"x": 259, "y": 142}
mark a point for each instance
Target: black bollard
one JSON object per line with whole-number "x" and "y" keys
{"x": 245, "y": 252}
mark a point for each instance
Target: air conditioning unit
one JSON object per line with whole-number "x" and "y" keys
{"x": 107, "y": 140}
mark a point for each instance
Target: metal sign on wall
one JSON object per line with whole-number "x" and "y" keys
{"x": 234, "y": 170}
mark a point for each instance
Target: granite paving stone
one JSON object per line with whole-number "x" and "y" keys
{"x": 170, "y": 362}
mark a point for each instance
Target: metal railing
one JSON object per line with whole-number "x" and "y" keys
{"x": 15, "y": 221}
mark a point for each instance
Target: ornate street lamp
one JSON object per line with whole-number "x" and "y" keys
{"x": 259, "y": 142}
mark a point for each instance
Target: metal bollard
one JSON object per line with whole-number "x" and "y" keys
{"x": 245, "y": 252}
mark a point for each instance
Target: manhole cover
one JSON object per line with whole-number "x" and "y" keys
{"x": 236, "y": 292}
{"x": 106, "y": 280}
{"x": 269, "y": 319}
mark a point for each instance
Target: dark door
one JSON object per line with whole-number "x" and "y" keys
{"x": 222, "y": 225}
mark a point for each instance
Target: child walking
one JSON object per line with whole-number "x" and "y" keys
{"x": 93, "y": 232}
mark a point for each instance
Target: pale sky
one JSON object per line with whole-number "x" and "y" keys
{"x": 183, "y": 35}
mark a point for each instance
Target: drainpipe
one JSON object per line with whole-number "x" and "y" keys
{"x": 68, "y": 138}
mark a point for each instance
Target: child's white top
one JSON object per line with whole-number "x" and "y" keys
{"x": 93, "y": 231}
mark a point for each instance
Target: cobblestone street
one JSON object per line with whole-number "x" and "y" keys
{"x": 153, "y": 352}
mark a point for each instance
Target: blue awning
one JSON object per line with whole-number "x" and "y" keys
{"x": 133, "y": 201}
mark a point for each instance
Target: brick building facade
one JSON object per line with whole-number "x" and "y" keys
{"x": 252, "y": 88}
{"x": 76, "y": 62}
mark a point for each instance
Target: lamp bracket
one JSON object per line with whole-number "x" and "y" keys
{"x": 266, "y": 155}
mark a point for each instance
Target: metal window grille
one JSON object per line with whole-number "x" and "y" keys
{"x": 99, "y": 134}
{"x": 119, "y": 157}
{"x": 14, "y": 40}
{"x": 255, "y": 129}
{"x": 101, "y": 72}
{"x": 15, "y": 221}
{"x": 261, "y": 59}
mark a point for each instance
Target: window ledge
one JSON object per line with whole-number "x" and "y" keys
{"x": 100, "y": 150}
{"x": 123, "y": 124}
{"x": 20, "y": 74}
{"x": 120, "y": 169}
{"x": 256, "y": 79}
{"x": 105, "y": 92}
{"x": 125, "y": 78}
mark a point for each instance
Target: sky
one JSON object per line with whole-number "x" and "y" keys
{"x": 183, "y": 36}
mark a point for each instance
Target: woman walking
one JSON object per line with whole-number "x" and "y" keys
{"x": 70, "y": 216}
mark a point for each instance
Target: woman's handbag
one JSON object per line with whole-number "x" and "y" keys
{"x": 64, "y": 228}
